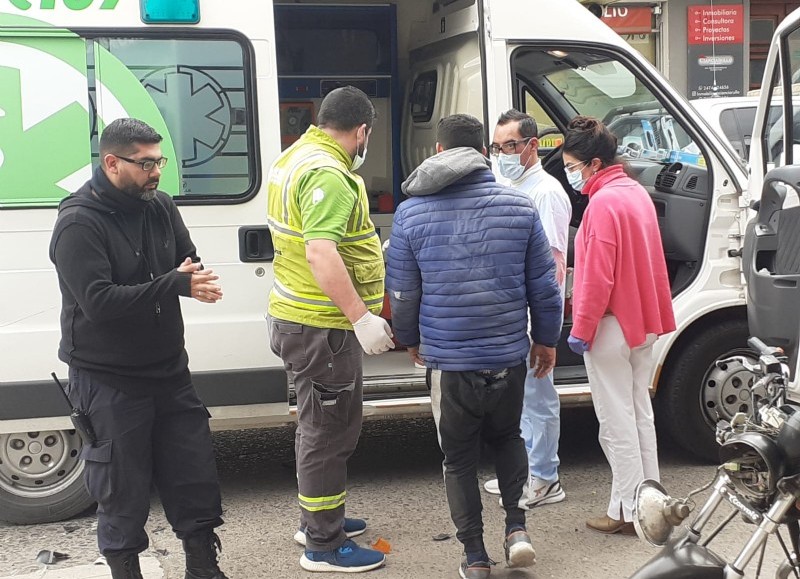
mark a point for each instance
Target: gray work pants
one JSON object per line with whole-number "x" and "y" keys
{"x": 326, "y": 368}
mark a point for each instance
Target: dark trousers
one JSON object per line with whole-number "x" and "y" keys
{"x": 326, "y": 368}
{"x": 469, "y": 407}
{"x": 163, "y": 439}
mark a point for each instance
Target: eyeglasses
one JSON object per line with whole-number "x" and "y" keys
{"x": 507, "y": 148}
{"x": 570, "y": 168}
{"x": 148, "y": 164}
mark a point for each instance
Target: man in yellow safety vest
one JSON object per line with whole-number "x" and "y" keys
{"x": 328, "y": 289}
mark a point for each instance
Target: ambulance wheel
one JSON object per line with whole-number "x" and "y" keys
{"x": 41, "y": 477}
{"x": 694, "y": 393}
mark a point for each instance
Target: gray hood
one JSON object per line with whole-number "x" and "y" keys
{"x": 443, "y": 169}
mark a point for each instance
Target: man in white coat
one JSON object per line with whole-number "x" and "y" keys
{"x": 515, "y": 148}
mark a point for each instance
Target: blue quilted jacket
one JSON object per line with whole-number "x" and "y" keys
{"x": 467, "y": 260}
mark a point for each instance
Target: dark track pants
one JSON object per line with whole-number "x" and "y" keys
{"x": 163, "y": 439}
{"x": 326, "y": 368}
{"x": 467, "y": 407}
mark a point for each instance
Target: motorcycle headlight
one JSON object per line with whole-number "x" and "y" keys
{"x": 753, "y": 462}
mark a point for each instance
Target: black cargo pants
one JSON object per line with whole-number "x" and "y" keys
{"x": 468, "y": 407}
{"x": 163, "y": 439}
{"x": 326, "y": 367}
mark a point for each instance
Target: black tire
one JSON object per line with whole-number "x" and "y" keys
{"x": 41, "y": 477}
{"x": 693, "y": 393}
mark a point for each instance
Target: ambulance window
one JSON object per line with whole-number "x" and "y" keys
{"x": 550, "y": 136}
{"x": 200, "y": 88}
{"x": 44, "y": 120}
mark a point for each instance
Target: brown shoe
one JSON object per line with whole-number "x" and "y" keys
{"x": 609, "y": 526}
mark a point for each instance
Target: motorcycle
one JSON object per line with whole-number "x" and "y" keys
{"x": 759, "y": 480}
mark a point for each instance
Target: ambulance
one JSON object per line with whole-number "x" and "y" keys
{"x": 230, "y": 84}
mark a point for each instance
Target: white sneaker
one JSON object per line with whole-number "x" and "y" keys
{"x": 540, "y": 492}
{"x": 492, "y": 486}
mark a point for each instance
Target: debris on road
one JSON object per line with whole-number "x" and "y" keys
{"x": 382, "y": 545}
{"x": 46, "y": 557}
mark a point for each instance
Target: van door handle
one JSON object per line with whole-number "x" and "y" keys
{"x": 255, "y": 244}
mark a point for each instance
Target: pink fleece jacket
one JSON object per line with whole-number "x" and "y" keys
{"x": 619, "y": 261}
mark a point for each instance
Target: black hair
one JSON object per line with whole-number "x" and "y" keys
{"x": 122, "y": 136}
{"x": 588, "y": 138}
{"x": 527, "y": 124}
{"x": 460, "y": 131}
{"x": 344, "y": 109}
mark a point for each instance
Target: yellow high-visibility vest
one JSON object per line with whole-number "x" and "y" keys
{"x": 295, "y": 295}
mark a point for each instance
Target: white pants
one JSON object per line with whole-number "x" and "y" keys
{"x": 619, "y": 380}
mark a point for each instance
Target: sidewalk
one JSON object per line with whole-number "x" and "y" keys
{"x": 150, "y": 569}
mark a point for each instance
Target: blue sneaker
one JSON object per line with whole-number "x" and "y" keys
{"x": 352, "y": 528}
{"x": 349, "y": 558}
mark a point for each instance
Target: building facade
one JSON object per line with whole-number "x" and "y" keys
{"x": 705, "y": 47}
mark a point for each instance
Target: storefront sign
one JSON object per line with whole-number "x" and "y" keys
{"x": 628, "y": 19}
{"x": 716, "y": 50}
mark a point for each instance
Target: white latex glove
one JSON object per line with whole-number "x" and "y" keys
{"x": 373, "y": 333}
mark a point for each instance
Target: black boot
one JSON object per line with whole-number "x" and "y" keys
{"x": 125, "y": 566}
{"x": 201, "y": 556}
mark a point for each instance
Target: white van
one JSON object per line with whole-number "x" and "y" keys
{"x": 229, "y": 84}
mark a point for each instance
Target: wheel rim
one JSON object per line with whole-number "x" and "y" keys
{"x": 37, "y": 464}
{"x": 726, "y": 389}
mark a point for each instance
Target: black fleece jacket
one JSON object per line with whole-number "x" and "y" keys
{"x": 116, "y": 258}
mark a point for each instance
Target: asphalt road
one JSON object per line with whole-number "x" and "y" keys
{"x": 396, "y": 484}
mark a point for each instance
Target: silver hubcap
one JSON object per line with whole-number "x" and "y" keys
{"x": 36, "y": 464}
{"x": 726, "y": 389}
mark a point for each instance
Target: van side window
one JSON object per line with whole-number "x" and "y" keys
{"x": 737, "y": 124}
{"x": 658, "y": 150}
{"x": 200, "y": 86}
{"x": 550, "y": 136}
{"x": 423, "y": 96}
{"x": 578, "y": 82}
{"x": 777, "y": 131}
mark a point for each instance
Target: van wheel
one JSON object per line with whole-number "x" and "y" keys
{"x": 694, "y": 393}
{"x": 41, "y": 477}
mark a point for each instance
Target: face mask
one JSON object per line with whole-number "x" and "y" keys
{"x": 575, "y": 177}
{"x": 510, "y": 166}
{"x": 358, "y": 160}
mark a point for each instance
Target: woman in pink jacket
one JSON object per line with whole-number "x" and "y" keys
{"x": 621, "y": 304}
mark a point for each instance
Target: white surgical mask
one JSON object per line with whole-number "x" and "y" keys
{"x": 358, "y": 160}
{"x": 510, "y": 166}
{"x": 575, "y": 177}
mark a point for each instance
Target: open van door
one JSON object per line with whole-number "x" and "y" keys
{"x": 562, "y": 63}
{"x": 771, "y": 256}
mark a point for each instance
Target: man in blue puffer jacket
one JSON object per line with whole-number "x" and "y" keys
{"x": 467, "y": 260}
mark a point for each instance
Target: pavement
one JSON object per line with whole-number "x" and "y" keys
{"x": 395, "y": 482}
{"x": 150, "y": 566}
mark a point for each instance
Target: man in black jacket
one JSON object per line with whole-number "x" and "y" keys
{"x": 123, "y": 257}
